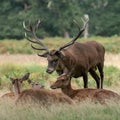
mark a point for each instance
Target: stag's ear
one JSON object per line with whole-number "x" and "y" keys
{"x": 59, "y": 54}
{"x": 26, "y": 76}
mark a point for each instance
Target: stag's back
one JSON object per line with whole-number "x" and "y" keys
{"x": 84, "y": 55}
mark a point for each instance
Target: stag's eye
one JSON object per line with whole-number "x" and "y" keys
{"x": 55, "y": 61}
{"x": 63, "y": 80}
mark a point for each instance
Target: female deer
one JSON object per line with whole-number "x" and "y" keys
{"x": 35, "y": 95}
{"x": 17, "y": 85}
{"x": 96, "y": 95}
{"x": 38, "y": 95}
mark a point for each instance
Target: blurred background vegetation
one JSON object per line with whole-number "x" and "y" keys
{"x": 57, "y": 17}
{"x": 57, "y": 21}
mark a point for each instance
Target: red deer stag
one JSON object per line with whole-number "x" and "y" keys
{"x": 95, "y": 95}
{"x": 73, "y": 58}
{"x": 17, "y": 85}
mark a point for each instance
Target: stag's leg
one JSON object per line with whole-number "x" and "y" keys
{"x": 95, "y": 76}
{"x": 85, "y": 80}
{"x": 100, "y": 68}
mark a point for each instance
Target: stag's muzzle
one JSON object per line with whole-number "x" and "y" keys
{"x": 53, "y": 87}
{"x": 49, "y": 71}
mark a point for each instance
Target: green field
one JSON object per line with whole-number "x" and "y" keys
{"x": 112, "y": 75}
{"x": 112, "y": 44}
{"x": 83, "y": 111}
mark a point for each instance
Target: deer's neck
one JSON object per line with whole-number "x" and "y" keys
{"x": 68, "y": 91}
{"x": 68, "y": 61}
{"x": 17, "y": 90}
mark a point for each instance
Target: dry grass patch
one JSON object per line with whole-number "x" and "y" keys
{"x": 82, "y": 111}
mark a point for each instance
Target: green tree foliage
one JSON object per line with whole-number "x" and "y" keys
{"x": 104, "y": 16}
{"x": 57, "y": 17}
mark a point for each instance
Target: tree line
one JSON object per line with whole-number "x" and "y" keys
{"x": 57, "y": 17}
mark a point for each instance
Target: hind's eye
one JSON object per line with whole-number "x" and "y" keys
{"x": 13, "y": 82}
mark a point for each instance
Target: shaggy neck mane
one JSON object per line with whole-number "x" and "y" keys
{"x": 68, "y": 61}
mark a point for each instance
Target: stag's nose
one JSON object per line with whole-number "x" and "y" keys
{"x": 49, "y": 71}
{"x": 52, "y": 87}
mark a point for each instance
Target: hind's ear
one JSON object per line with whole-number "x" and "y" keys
{"x": 29, "y": 81}
{"x": 26, "y": 76}
{"x": 12, "y": 80}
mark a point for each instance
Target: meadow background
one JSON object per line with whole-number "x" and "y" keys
{"x": 17, "y": 58}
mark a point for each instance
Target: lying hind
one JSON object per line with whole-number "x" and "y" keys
{"x": 79, "y": 95}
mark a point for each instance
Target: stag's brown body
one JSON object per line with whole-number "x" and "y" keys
{"x": 43, "y": 97}
{"x": 95, "y": 95}
{"x": 73, "y": 58}
{"x": 81, "y": 57}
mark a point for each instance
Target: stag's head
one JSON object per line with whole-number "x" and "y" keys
{"x": 62, "y": 82}
{"x": 17, "y": 82}
{"x": 53, "y": 56}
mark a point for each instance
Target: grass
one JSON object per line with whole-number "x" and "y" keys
{"x": 16, "y": 71}
{"x": 111, "y": 78}
{"x": 112, "y": 75}
{"x": 82, "y": 111}
{"x": 23, "y": 46}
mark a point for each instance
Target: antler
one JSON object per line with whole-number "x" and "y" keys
{"x": 34, "y": 39}
{"x": 79, "y": 33}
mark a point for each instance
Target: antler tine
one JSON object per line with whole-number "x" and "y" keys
{"x": 36, "y": 39}
{"x": 24, "y": 26}
{"x": 29, "y": 39}
{"x": 42, "y": 55}
{"x": 85, "y": 22}
{"x": 37, "y": 48}
{"x": 79, "y": 33}
{"x": 37, "y": 24}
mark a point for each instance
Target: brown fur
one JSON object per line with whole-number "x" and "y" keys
{"x": 43, "y": 97}
{"x": 17, "y": 85}
{"x": 36, "y": 94}
{"x": 9, "y": 95}
{"x": 73, "y": 58}
{"x": 77, "y": 60}
{"x": 35, "y": 84}
{"x": 96, "y": 95}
